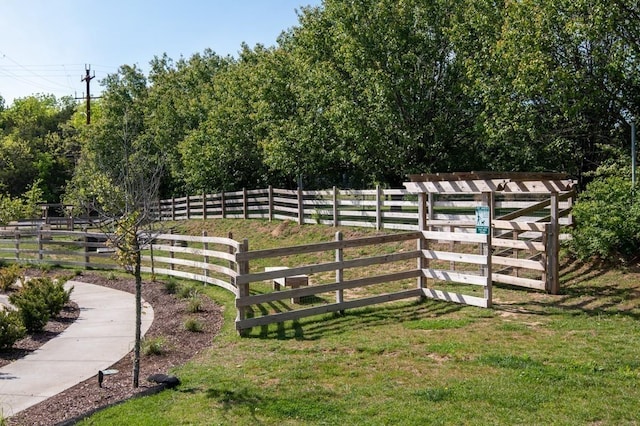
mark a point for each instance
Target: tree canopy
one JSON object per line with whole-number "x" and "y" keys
{"x": 359, "y": 93}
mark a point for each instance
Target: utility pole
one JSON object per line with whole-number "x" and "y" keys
{"x": 88, "y": 79}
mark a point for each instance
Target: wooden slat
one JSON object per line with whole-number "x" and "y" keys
{"x": 326, "y": 288}
{"x": 323, "y": 309}
{"x": 191, "y": 276}
{"x": 467, "y": 237}
{"x": 518, "y": 281}
{"x": 475, "y": 259}
{"x": 455, "y": 297}
{"x": 519, "y": 226}
{"x": 518, "y": 263}
{"x": 457, "y": 277}
{"x": 518, "y": 244}
{"x": 330, "y": 245}
{"x": 523, "y": 211}
{"x": 195, "y": 251}
{"x": 192, "y": 263}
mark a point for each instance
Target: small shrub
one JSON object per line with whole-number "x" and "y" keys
{"x": 32, "y": 309}
{"x": 193, "y": 325}
{"x": 194, "y": 304}
{"x": 9, "y": 275}
{"x": 187, "y": 291}
{"x": 171, "y": 285}
{"x": 11, "y": 328}
{"x": 40, "y": 299}
{"x": 153, "y": 346}
{"x": 111, "y": 276}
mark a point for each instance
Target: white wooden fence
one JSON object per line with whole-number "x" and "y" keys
{"x": 395, "y": 209}
{"x": 450, "y": 266}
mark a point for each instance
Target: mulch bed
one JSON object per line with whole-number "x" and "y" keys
{"x": 181, "y": 345}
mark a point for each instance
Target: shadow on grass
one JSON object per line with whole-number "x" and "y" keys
{"x": 234, "y": 398}
{"x": 317, "y": 327}
{"x": 582, "y": 293}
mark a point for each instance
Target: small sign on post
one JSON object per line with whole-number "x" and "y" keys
{"x": 482, "y": 220}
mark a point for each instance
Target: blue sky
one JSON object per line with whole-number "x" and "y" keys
{"x": 45, "y": 44}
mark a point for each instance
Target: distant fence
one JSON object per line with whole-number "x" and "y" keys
{"x": 394, "y": 209}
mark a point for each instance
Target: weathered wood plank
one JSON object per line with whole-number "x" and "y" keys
{"x": 476, "y": 259}
{"x": 518, "y": 263}
{"x": 518, "y": 281}
{"x": 454, "y": 236}
{"x": 323, "y": 309}
{"x": 327, "y": 288}
{"x": 455, "y": 297}
{"x": 457, "y": 277}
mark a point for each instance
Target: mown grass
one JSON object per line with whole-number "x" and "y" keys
{"x": 532, "y": 359}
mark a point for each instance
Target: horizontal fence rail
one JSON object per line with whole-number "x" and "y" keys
{"x": 437, "y": 254}
{"x": 450, "y": 266}
{"x": 393, "y": 209}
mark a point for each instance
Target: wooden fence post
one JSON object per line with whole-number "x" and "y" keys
{"x": 86, "y": 249}
{"x": 153, "y": 263}
{"x": 230, "y": 251}
{"x": 205, "y": 246}
{"x": 242, "y": 290}
{"x": 223, "y": 205}
{"x": 336, "y": 220}
{"x": 17, "y": 240}
{"x": 339, "y": 271}
{"x": 553, "y": 282}
{"x": 204, "y": 206}
{"x": 171, "y": 253}
{"x": 39, "y": 237}
{"x": 173, "y": 208}
{"x": 188, "y": 207}
{"x": 378, "y": 208}
{"x": 300, "y": 207}
{"x": 245, "y": 204}
{"x": 488, "y": 199}
{"x": 270, "y": 196}
{"x": 422, "y": 263}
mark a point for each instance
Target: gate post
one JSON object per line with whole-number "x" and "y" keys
{"x": 339, "y": 271}
{"x": 552, "y": 248}
{"x": 242, "y": 290}
{"x": 488, "y": 199}
{"x": 422, "y": 263}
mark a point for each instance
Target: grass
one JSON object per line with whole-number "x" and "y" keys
{"x": 533, "y": 359}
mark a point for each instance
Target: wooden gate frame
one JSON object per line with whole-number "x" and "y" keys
{"x": 556, "y": 185}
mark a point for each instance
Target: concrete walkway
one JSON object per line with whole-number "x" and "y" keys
{"x": 102, "y": 335}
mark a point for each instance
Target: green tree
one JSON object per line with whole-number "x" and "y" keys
{"x": 119, "y": 177}
{"x": 223, "y": 153}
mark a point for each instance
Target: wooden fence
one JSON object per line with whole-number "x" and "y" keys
{"x": 395, "y": 209}
{"x": 450, "y": 266}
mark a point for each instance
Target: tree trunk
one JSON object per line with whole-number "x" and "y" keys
{"x": 136, "y": 349}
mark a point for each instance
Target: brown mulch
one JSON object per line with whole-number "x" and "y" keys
{"x": 181, "y": 345}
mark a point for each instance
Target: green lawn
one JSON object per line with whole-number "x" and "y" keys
{"x": 532, "y": 359}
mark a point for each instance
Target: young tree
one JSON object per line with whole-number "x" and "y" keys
{"x": 119, "y": 176}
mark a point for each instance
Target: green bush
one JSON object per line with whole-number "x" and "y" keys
{"x": 32, "y": 309}
{"x": 9, "y": 275}
{"x": 153, "y": 346}
{"x": 193, "y": 325}
{"x": 11, "y": 328}
{"x": 38, "y": 300}
{"x": 171, "y": 285}
{"x": 607, "y": 221}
